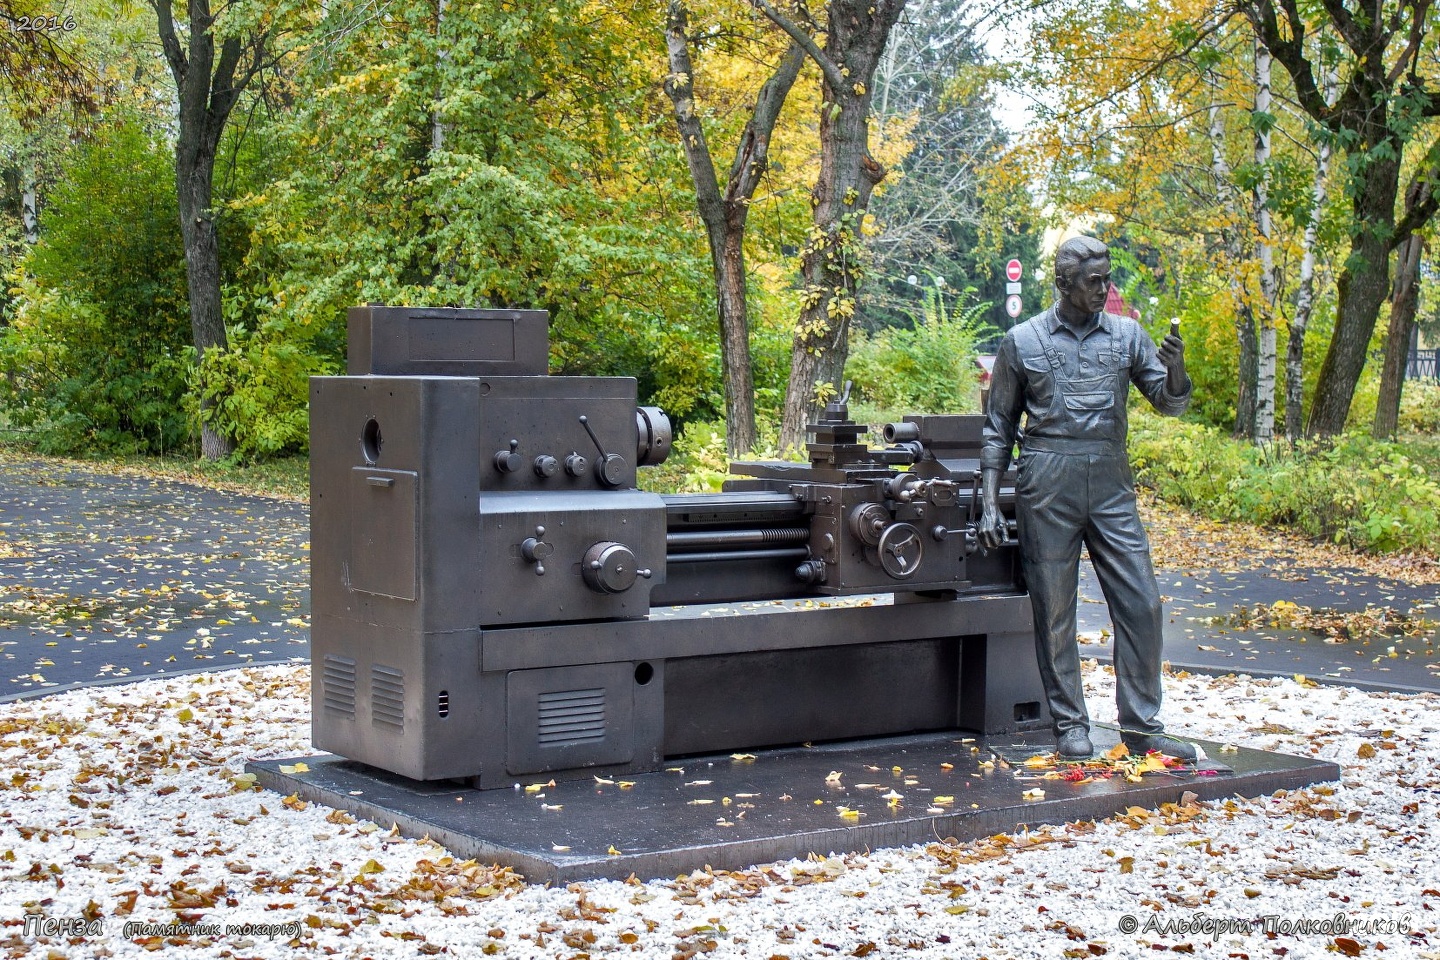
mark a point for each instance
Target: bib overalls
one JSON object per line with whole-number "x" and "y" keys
{"x": 1074, "y": 487}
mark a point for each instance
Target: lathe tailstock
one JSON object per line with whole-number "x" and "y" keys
{"x": 493, "y": 598}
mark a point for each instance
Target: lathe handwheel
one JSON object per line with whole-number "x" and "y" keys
{"x": 611, "y": 567}
{"x": 901, "y": 550}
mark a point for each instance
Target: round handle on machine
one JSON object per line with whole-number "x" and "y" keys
{"x": 611, "y": 567}
{"x": 900, "y": 550}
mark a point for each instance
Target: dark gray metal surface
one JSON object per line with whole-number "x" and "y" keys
{"x": 729, "y": 814}
{"x": 493, "y": 596}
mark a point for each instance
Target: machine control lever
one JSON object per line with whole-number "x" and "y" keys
{"x": 535, "y": 550}
{"x": 508, "y": 461}
{"x": 611, "y": 466}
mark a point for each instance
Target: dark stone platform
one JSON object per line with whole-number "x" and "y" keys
{"x": 776, "y": 806}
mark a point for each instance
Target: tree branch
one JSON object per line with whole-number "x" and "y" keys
{"x": 1421, "y": 199}
{"x": 1407, "y": 57}
{"x": 1291, "y": 54}
{"x": 806, "y": 42}
{"x": 170, "y": 41}
{"x": 751, "y": 157}
{"x": 680, "y": 86}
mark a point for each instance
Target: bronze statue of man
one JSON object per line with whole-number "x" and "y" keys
{"x": 1069, "y": 371}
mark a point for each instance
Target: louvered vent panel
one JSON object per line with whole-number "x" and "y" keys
{"x": 387, "y": 696}
{"x": 338, "y": 684}
{"x": 572, "y": 716}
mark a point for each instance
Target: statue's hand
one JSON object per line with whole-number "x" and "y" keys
{"x": 992, "y": 529}
{"x": 1172, "y": 353}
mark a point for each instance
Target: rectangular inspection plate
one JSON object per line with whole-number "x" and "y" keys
{"x": 661, "y": 830}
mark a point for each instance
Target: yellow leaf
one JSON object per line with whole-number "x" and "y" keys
{"x": 1151, "y": 764}
{"x": 941, "y": 801}
{"x": 614, "y": 852}
{"x": 185, "y": 716}
{"x": 1117, "y": 752}
{"x": 833, "y": 776}
{"x": 1034, "y": 793}
{"x": 371, "y": 866}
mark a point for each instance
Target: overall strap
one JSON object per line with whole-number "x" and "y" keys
{"x": 1047, "y": 344}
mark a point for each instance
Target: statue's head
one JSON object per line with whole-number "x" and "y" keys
{"x": 1082, "y": 273}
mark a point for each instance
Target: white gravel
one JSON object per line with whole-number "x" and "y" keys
{"x": 127, "y": 805}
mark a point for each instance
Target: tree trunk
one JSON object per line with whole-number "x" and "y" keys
{"x": 741, "y": 435}
{"x": 208, "y": 84}
{"x": 1305, "y": 298}
{"x": 194, "y": 175}
{"x": 856, "y": 32}
{"x": 1404, "y": 301}
{"x": 437, "y": 124}
{"x": 29, "y": 202}
{"x": 1234, "y": 244}
{"x": 1269, "y": 277}
{"x": 726, "y": 215}
{"x": 1362, "y": 288}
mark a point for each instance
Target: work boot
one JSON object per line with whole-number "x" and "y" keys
{"x": 1074, "y": 744}
{"x": 1140, "y": 744}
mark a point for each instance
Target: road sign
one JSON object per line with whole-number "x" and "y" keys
{"x": 1011, "y": 288}
{"x": 1013, "y": 270}
{"x": 1012, "y": 305}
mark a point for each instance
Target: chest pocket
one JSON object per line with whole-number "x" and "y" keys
{"x": 1091, "y": 396}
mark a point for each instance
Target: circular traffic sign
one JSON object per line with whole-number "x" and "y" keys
{"x": 1013, "y": 271}
{"x": 1012, "y": 305}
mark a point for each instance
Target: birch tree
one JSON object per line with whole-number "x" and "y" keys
{"x": 1263, "y": 121}
{"x": 1388, "y": 95}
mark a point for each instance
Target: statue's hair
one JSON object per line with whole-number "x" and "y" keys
{"x": 1076, "y": 251}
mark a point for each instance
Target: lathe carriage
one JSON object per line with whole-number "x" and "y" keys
{"x": 493, "y": 597}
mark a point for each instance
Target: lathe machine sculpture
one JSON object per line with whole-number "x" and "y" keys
{"x": 493, "y": 598}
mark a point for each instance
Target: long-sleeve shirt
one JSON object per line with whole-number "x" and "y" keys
{"x": 1085, "y": 398}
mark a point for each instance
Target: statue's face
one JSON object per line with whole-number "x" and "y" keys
{"x": 1086, "y": 286}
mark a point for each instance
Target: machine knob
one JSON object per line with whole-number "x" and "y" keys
{"x": 546, "y": 466}
{"x": 868, "y": 522}
{"x": 611, "y": 567}
{"x": 611, "y": 470}
{"x": 576, "y": 465}
{"x": 535, "y": 550}
{"x": 811, "y": 571}
{"x": 508, "y": 461}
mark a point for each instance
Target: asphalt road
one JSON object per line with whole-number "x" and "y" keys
{"x": 107, "y": 577}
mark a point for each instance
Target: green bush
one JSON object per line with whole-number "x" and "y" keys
{"x": 95, "y": 356}
{"x": 1420, "y": 407}
{"x": 1353, "y": 489}
{"x": 698, "y": 462}
{"x": 926, "y": 368}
